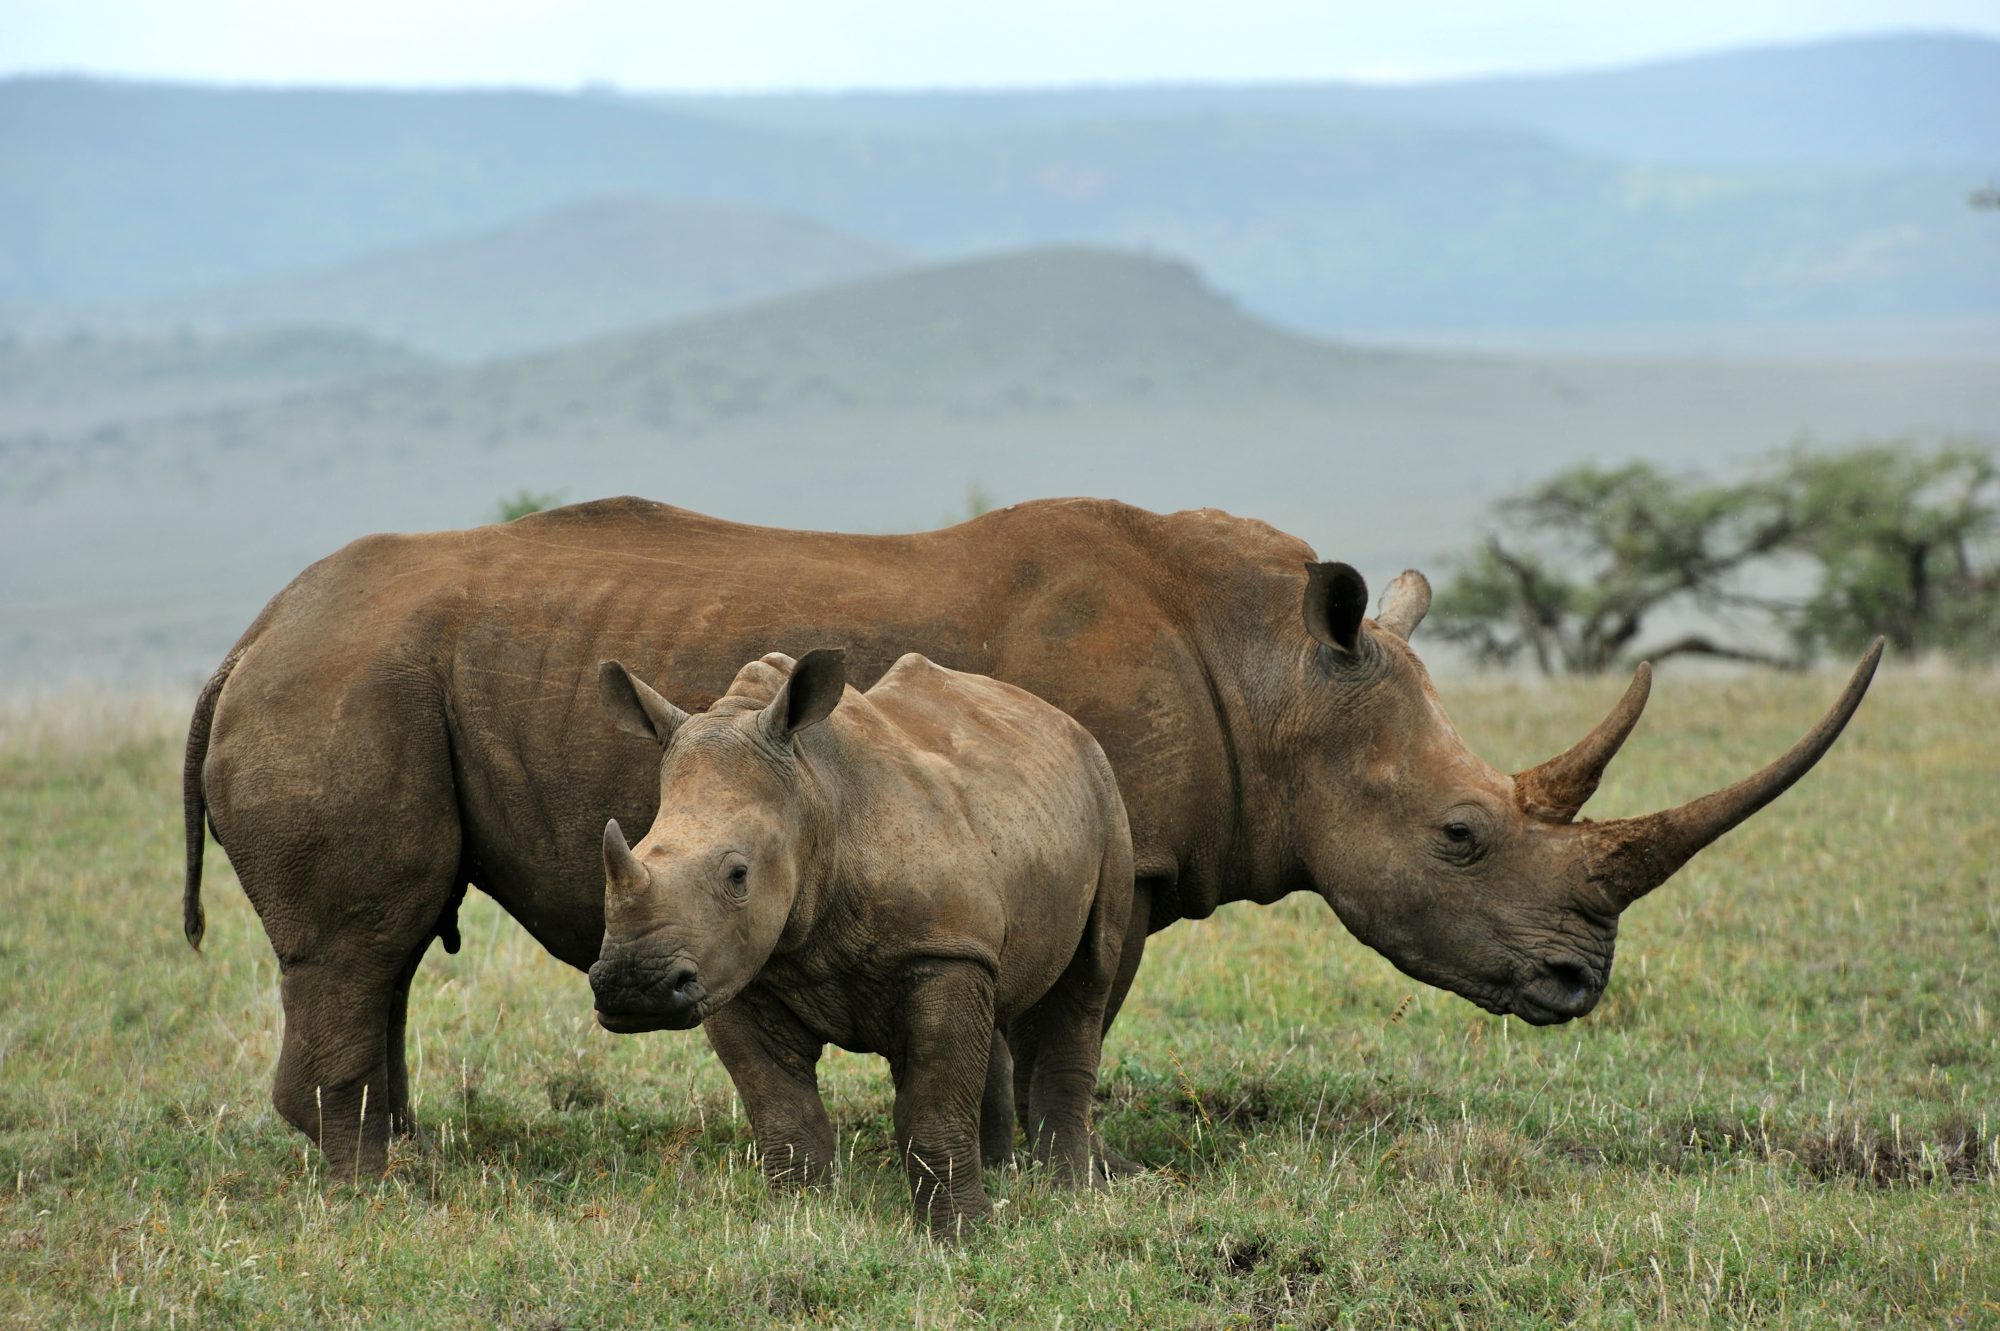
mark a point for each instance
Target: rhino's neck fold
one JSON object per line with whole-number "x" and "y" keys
{"x": 1258, "y": 855}
{"x": 819, "y": 834}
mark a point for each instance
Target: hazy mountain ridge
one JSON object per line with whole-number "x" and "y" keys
{"x": 123, "y": 191}
{"x": 1371, "y": 223}
{"x": 154, "y": 492}
{"x": 1900, "y": 100}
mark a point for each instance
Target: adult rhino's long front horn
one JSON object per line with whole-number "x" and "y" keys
{"x": 1630, "y": 857}
{"x": 1556, "y": 789}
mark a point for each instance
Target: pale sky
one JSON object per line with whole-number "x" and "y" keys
{"x": 769, "y": 44}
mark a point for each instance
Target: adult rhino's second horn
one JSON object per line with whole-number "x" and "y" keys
{"x": 1555, "y": 790}
{"x": 621, "y": 867}
{"x": 1630, "y": 857}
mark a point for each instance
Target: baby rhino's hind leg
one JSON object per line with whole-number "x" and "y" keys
{"x": 996, "y": 1109}
{"x": 943, "y": 1048}
{"x": 1063, "y": 1034}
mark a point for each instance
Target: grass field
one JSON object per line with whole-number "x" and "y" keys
{"x": 1784, "y": 1113}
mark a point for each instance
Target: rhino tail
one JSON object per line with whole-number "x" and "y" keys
{"x": 194, "y": 807}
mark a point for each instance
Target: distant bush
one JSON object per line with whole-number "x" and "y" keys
{"x": 977, "y": 501}
{"x": 1907, "y": 545}
{"x": 523, "y": 502}
{"x": 1581, "y": 560}
{"x": 1901, "y": 542}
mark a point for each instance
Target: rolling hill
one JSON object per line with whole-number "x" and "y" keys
{"x": 871, "y": 405}
{"x": 558, "y": 276}
{"x": 85, "y": 381}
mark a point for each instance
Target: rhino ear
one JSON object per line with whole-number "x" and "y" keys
{"x": 812, "y": 691}
{"x": 1336, "y": 599}
{"x": 1404, "y": 603}
{"x": 635, "y": 708}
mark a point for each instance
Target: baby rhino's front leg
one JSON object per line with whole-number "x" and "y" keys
{"x": 942, "y": 1043}
{"x": 774, "y": 1063}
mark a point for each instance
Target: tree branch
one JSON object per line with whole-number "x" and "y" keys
{"x": 1696, "y": 644}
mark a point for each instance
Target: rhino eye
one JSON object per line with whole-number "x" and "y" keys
{"x": 738, "y": 874}
{"x": 734, "y": 879}
{"x": 1458, "y": 842}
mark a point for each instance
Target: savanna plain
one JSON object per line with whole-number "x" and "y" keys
{"x": 1784, "y": 1112}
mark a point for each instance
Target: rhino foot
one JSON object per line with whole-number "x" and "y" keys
{"x": 1108, "y": 1164}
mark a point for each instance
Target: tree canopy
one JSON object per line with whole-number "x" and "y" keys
{"x": 1905, "y": 544}
{"x": 1894, "y": 540}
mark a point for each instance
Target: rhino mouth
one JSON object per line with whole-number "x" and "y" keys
{"x": 639, "y": 1022}
{"x": 633, "y": 999}
{"x": 1559, "y": 991}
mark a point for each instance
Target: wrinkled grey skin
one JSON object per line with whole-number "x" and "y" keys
{"x": 902, "y": 872}
{"x": 416, "y": 714}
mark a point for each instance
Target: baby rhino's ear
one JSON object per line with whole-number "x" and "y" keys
{"x": 809, "y": 695}
{"x": 635, "y": 708}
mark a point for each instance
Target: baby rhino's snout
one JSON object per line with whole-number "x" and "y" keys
{"x": 633, "y": 996}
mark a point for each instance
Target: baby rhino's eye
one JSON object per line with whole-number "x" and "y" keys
{"x": 735, "y": 877}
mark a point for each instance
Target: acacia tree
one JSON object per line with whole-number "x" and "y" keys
{"x": 1907, "y": 543}
{"x": 1901, "y": 542}
{"x": 1579, "y": 562}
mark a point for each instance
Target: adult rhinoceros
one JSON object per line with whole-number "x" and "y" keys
{"x": 418, "y": 713}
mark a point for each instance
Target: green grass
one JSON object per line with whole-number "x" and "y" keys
{"x": 1784, "y": 1112}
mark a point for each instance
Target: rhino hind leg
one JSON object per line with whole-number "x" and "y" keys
{"x": 939, "y": 1066}
{"x": 333, "y": 1081}
{"x": 402, "y": 1116}
{"x": 774, "y": 1064}
{"x": 342, "y": 1076}
{"x": 350, "y": 856}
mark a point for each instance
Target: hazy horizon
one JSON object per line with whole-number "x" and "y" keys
{"x": 728, "y": 46}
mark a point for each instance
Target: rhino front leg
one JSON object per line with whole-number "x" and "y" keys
{"x": 944, "y": 1047}
{"x": 774, "y": 1063}
{"x": 996, "y": 1109}
{"x": 1026, "y": 1037}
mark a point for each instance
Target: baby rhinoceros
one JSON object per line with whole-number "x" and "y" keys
{"x": 900, "y": 872}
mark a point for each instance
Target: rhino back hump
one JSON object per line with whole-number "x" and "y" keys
{"x": 973, "y": 816}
